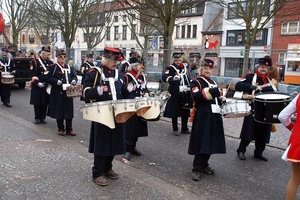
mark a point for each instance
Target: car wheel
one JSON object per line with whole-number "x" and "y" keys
{"x": 22, "y": 85}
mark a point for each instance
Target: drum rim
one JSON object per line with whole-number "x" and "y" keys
{"x": 272, "y": 93}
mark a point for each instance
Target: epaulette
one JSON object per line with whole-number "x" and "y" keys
{"x": 92, "y": 70}
{"x": 53, "y": 64}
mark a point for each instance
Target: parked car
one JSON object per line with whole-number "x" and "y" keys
{"x": 22, "y": 71}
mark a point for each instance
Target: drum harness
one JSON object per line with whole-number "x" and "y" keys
{"x": 66, "y": 72}
{"x": 5, "y": 65}
{"x": 183, "y": 77}
{"x": 141, "y": 86}
{"x": 269, "y": 84}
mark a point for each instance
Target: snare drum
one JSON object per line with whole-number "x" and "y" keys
{"x": 233, "y": 108}
{"x": 142, "y": 106}
{"x": 74, "y": 91}
{"x": 101, "y": 112}
{"x": 7, "y": 78}
{"x": 153, "y": 114}
{"x": 124, "y": 109}
{"x": 267, "y": 106}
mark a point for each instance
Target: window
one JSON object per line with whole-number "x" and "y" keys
{"x": 290, "y": 28}
{"x": 124, "y": 33}
{"x": 115, "y": 18}
{"x": 238, "y": 9}
{"x": 238, "y": 38}
{"x": 124, "y": 18}
{"x": 133, "y": 17}
{"x": 281, "y": 57}
{"x": 194, "y": 31}
{"x": 116, "y": 36}
{"x": 107, "y": 33}
{"x": 183, "y": 31}
{"x": 188, "y": 31}
{"x": 177, "y": 31}
{"x": 133, "y": 31}
{"x": 85, "y": 37}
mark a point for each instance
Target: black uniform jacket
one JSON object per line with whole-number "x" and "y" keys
{"x": 39, "y": 96}
{"x": 5, "y": 88}
{"x": 84, "y": 69}
{"x": 60, "y": 106}
{"x": 135, "y": 126}
{"x": 174, "y": 105}
{"x": 105, "y": 141}
{"x": 207, "y": 135}
{"x": 252, "y": 130}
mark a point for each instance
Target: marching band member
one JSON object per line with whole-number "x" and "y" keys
{"x": 102, "y": 84}
{"x": 84, "y": 69}
{"x": 38, "y": 95}
{"x": 6, "y": 65}
{"x": 136, "y": 85}
{"x": 292, "y": 153}
{"x": 176, "y": 76}
{"x": 59, "y": 76}
{"x": 252, "y": 130}
{"x": 207, "y": 135}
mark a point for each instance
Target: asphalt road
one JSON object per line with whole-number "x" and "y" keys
{"x": 165, "y": 167}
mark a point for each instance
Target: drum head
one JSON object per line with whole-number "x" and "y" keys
{"x": 272, "y": 96}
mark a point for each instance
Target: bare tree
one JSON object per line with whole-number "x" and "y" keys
{"x": 65, "y": 16}
{"x": 16, "y": 11}
{"x": 166, "y": 12}
{"x": 254, "y": 15}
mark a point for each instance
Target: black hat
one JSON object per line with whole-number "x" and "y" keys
{"x": 90, "y": 55}
{"x": 265, "y": 61}
{"x": 137, "y": 59}
{"x": 112, "y": 53}
{"x": 177, "y": 56}
{"x": 60, "y": 52}
{"x": 46, "y": 49}
{"x": 208, "y": 62}
{"x": 4, "y": 49}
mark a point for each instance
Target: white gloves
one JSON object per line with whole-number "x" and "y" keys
{"x": 59, "y": 82}
{"x": 73, "y": 82}
{"x": 100, "y": 90}
{"x": 222, "y": 98}
{"x": 131, "y": 87}
{"x": 41, "y": 85}
{"x": 13, "y": 72}
{"x": 176, "y": 77}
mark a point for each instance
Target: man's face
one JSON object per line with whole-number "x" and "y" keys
{"x": 177, "y": 62}
{"x": 45, "y": 56}
{"x": 262, "y": 69}
{"x": 206, "y": 71}
{"x": 89, "y": 59}
{"x": 4, "y": 54}
{"x": 111, "y": 64}
{"x": 140, "y": 67}
{"x": 61, "y": 58}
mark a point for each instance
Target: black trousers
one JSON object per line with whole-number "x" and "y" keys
{"x": 40, "y": 112}
{"x": 102, "y": 165}
{"x": 130, "y": 144}
{"x": 200, "y": 162}
{"x": 259, "y": 147}
{"x": 184, "y": 122}
{"x": 60, "y": 125}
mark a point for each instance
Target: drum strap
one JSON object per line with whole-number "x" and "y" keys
{"x": 5, "y": 65}
{"x": 194, "y": 103}
{"x": 65, "y": 71}
{"x": 182, "y": 75}
{"x": 270, "y": 82}
{"x": 111, "y": 81}
{"x": 41, "y": 62}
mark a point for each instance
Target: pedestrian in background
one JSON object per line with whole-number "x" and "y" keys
{"x": 252, "y": 130}
{"x": 105, "y": 142}
{"x": 135, "y": 127}
{"x": 292, "y": 154}
{"x": 207, "y": 135}
{"x": 39, "y": 98}
{"x": 6, "y": 66}
{"x": 60, "y": 76}
{"x": 89, "y": 63}
{"x": 176, "y": 76}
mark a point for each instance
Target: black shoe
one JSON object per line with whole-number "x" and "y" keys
{"x": 260, "y": 157}
{"x": 127, "y": 156}
{"x": 241, "y": 156}
{"x": 135, "y": 152}
{"x": 43, "y": 121}
{"x": 36, "y": 121}
{"x": 7, "y": 105}
{"x": 186, "y": 132}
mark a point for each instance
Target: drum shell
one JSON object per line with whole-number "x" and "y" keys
{"x": 142, "y": 106}
{"x": 124, "y": 109}
{"x": 267, "y": 106}
{"x": 186, "y": 100}
{"x": 7, "y": 78}
{"x": 236, "y": 108}
{"x": 74, "y": 91}
{"x": 153, "y": 114}
{"x": 101, "y": 112}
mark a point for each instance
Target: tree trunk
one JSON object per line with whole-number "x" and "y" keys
{"x": 166, "y": 62}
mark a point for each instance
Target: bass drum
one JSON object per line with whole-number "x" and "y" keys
{"x": 267, "y": 106}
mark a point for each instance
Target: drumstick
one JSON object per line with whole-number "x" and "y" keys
{"x": 227, "y": 88}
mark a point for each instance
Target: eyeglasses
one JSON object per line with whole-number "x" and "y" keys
{"x": 62, "y": 56}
